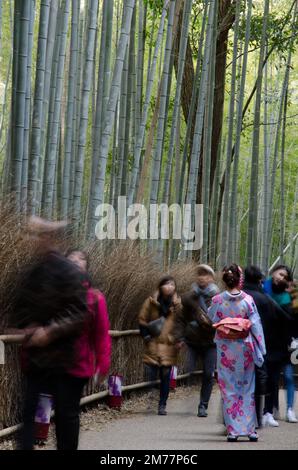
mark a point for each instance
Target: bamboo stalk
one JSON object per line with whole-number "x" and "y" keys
{"x": 70, "y": 123}
{"x": 208, "y": 137}
{"x": 253, "y": 200}
{"x": 84, "y": 108}
{"x": 97, "y": 195}
{"x": 52, "y": 150}
{"x": 149, "y": 88}
{"x": 20, "y": 97}
{"x": 36, "y": 128}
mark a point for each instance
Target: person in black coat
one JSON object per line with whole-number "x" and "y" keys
{"x": 194, "y": 329}
{"x": 275, "y": 322}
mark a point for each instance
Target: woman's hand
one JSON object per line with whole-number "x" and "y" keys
{"x": 39, "y": 338}
{"x": 98, "y": 379}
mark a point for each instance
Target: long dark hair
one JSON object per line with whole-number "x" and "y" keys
{"x": 52, "y": 290}
{"x": 164, "y": 280}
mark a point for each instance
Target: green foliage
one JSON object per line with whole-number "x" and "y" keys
{"x": 154, "y": 5}
{"x": 279, "y": 31}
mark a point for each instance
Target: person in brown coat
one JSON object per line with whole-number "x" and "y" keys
{"x": 157, "y": 322}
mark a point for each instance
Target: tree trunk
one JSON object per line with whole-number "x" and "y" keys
{"x": 225, "y": 21}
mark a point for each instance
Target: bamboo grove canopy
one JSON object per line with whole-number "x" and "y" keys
{"x": 160, "y": 101}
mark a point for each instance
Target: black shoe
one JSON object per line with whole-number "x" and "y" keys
{"x": 40, "y": 442}
{"x": 202, "y": 412}
{"x": 162, "y": 411}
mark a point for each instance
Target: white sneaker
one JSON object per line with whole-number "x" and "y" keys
{"x": 276, "y": 414}
{"x": 264, "y": 420}
{"x": 268, "y": 420}
{"x": 291, "y": 417}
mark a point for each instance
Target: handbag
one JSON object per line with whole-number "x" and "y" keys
{"x": 155, "y": 327}
{"x": 233, "y": 328}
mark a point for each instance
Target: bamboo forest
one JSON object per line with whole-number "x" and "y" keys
{"x": 159, "y": 102}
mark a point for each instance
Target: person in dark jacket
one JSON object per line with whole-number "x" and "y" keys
{"x": 205, "y": 289}
{"x": 194, "y": 329}
{"x": 266, "y": 308}
{"x": 277, "y": 286}
{"x": 51, "y": 310}
{"x": 275, "y": 323}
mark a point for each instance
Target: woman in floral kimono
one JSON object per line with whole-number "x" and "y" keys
{"x": 237, "y": 357}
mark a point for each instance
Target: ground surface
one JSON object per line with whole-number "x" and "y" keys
{"x": 137, "y": 427}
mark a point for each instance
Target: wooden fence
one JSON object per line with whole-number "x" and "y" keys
{"x": 126, "y": 360}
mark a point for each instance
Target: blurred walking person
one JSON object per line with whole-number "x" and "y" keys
{"x": 95, "y": 342}
{"x": 194, "y": 329}
{"x": 157, "y": 322}
{"x": 277, "y": 286}
{"x": 53, "y": 310}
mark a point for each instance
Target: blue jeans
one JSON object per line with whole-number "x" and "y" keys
{"x": 289, "y": 384}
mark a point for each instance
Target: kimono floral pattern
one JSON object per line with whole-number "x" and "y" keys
{"x": 236, "y": 361}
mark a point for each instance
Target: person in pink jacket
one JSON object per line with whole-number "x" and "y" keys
{"x": 94, "y": 345}
{"x": 60, "y": 354}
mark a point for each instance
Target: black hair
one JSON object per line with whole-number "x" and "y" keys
{"x": 51, "y": 290}
{"x": 164, "y": 280}
{"x": 253, "y": 274}
{"x": 190, "y": 301}
{"x": 285, "y": 268}
{"x": 231, "y": 276}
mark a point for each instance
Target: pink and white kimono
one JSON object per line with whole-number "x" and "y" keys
{"x": 236, "y": 360}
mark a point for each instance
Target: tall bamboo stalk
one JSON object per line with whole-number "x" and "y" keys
{"x": 86, "y": 88}
{"x": 97, "y": 195}
{"x": 181, "y": 60}
{"x": 155, "y": 178}
{"x": 198, "y": 131}
{"x": 225, "y": 254}
{"x": 53, "y": 32}
{"x": 140, "y": 61}
{"x": 70, "y": 129}
{"x": 129, "y": 101}
{"x": 282, "y": 178}
{"x": 208, "y": 136}
{"x": 20, "y": 97}
{"x": 102, "y": 83}
{"x": 253, "y": 198}
{"x": 25, "y": 165}
{"x": 149, "y": 87}
{"x": 52, "y": 149}
{"x": 36, "y": 128}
